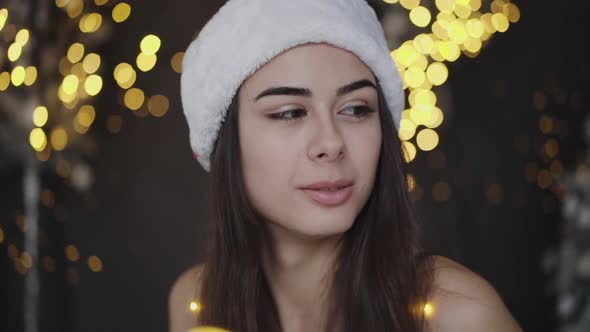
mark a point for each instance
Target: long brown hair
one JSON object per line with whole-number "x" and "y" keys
{"x": 382, "y": 277}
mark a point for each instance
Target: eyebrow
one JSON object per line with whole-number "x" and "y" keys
{"x": 304, "y": 92}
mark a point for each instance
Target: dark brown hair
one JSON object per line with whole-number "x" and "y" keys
{"x": 383, "y": 277}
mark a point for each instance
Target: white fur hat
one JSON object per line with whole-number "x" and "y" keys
{"x": 245, "y": 34}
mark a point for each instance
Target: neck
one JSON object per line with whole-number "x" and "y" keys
{"x": 299, "y": 272}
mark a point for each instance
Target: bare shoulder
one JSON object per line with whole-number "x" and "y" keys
{"x": 182, "y": 292}
{"x": 462, "y": 300}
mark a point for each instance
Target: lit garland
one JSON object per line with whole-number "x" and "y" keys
{"x": 458, "y": 27}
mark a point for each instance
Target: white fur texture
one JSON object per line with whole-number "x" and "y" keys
{"x": 245, "y": 34}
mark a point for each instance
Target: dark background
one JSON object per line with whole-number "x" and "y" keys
{"x": 142, "y": 216}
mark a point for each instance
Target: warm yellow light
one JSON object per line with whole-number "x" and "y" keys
{"x": 195, "y": 306}
{"x": 121, "y": 12}
{"x": 414, "y": 77}
{"x": 473, "y": 45}
{"x": 72, "y": 253}
{"x": 101, "y": 2}
{"x": 456, "y": 31}
{"x": 75, "y": 52}
{"x": 158, "y": 105}
{"x": 150, "y": 44}
{"x": 436, "y": 118}
{"x": 423, "y": 43}
{"x": 94, "y": 264}
{"x": 427, "y": 139}
{"x": 474, "y": 28}
{"x": 38, "y": 139}
{"x": 1, "y": 235}
{"x": 207, "y": 329}
{"x": 405, "y": 55}
{"x": 86, "y": 115}
{"x": 445, "y": 6}
{"x": 500, "y": 22}
{"x": 486, "y": 19}
{"x": 59, "y": 139}
{"x": 146, "y": 62}
{"x": 124, "y": 75}
{"x": 64, "y": 96}
{"x": 420, "y": 16}
{"x": 70, "y": 84}
{"x": 14, "y": 51}
{"x": 512, "y": 12}
{"x": 411, "y": 182}
{"x": 462, "y": 11}
{"x": 544, "y": 179}
{"x": 409, "y": 151}
{"x": 437, "y": 73}
{"x": 449, "y": 50}
{"x": 439, "y": 30}
{"x": 425, "y": 97}
{"x": 409, "y": 4}
{"x": 18, "y": 75}
{"x": 22, "y": 37}
{"x": 91, "y": 63}
{"x": 475, "y": 5}
{"x": 93, "y": 85}
{"x": 3, "y": 17}
{"x": 551, "y": 148}
{"x": 75, "y": 8}
{"x": 176, "y": 61}
{"x": 391, "y": 2}
{"x": 61, "y": 3}
{"x": 134, "y": 99}
{"x": 4, "y": 81}
{"x": 407, "y": 129}
{"x": 40, "y": 116}
{"x": 90, "y": 22}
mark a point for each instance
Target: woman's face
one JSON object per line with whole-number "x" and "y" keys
{"x": 316, "y": 130}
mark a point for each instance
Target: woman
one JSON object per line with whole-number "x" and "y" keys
{"x": 312, "y": 226}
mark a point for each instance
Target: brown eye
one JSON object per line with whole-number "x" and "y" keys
{"x": 360, "y": 111}
{"x": 289, "y": 115}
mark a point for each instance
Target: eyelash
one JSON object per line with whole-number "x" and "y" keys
{"x": 280, "y": 116}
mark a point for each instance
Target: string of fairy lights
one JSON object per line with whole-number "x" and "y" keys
{"x": 452, "y": 28}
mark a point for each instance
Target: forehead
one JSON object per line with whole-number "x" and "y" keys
{"x": 317, "y": 65}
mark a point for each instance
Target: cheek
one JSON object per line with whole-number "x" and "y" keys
{"x": 267, "y": 167}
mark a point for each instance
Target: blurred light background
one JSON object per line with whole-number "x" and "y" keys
{"x": 101, "y": 201}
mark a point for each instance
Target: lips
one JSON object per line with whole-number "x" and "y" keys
{"x": 329, "y": 193}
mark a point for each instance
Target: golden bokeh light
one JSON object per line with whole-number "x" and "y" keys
{"x": 86, "y": 115}
{"x": 445, "y": 6}
{"x": 91, "y": 63}
{"x": 134, "y": 98}
{"x": 428, "y": 310}
{"x": 158, "y": 105}
{"x": 40, "y": 116}
{"x": 407, "y": 129}
{"x": 17, "y": 77}
{"x": 72, "y": 253}
{"x": 409, "y": 151}
{"x": 90, "y": 22}
{"x": 70, "y": 84}
{"x": 457, "y": 32}
{"x": 30, "y": 75}
{"x": 437, "y": 73}
{"x": 176, "y": 61}
{"x": 423, "y": 43}
{"x": 150, "y": 44}
{"x": 512, "y": 12}
{"x": 1, "y": 235}
{"x": 95, "y": 264}
{"x": 14, "y": 51}
{"x": 411, "y": 182}
{"x": 58, "y": 138}
{"x": 125, "y": 75}
{"x": 474, "y": 28}
{"x": 420, "y": 16}
{"x": 22, "y": 37}
{"x": 414, "y": 77}
{"x": 4, "y": 81}
{"x": 101, "y": 2}
{"x": 3, "y": 17}
{"x": 551, "y": 148}
{"x": 194, "y": 306}
{"x": 93, "y": 85}
{"x": 544, "y": 179}
{"x": 391, "y": 2}
{"x": 121, "y": 12}
{"x": 75, "y": 52}
{"x": 427, "y": 139}
{"x": 207, "y": 329}
{"x": 449, "y": 50}
{"x": 38, "y": 139}
{"x": 146, "y": 62}
{"x": 500, "y": 22}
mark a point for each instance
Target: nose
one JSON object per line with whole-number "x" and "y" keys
{"x": 327, "y": 143}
